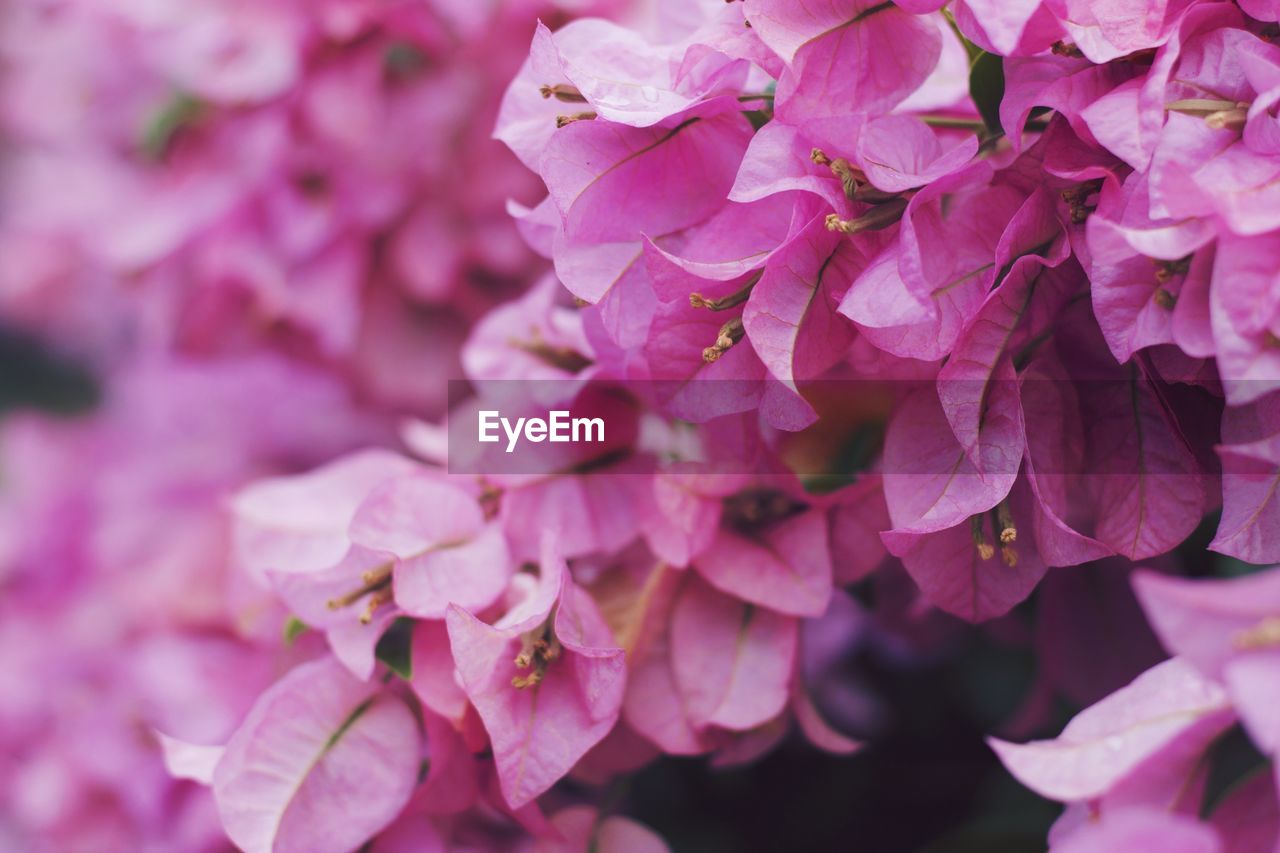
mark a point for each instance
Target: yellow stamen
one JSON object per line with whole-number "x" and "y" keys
{"x": 1004, "y": 521}
{"x": 372, "y": 581}
{"x": 1264, "y": 635}
{"x": 566, "y": 120}
{"x": 730, "y": 333}
{"x": 563, "y": 92}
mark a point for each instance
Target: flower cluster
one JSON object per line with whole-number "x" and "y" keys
{"x": 898, "y": 313}
{"x": 255, "y": 223}
{"x": 219, "y": 177}
{"x": 1027, "y": 252}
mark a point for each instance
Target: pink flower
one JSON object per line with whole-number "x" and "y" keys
{"x": 1140, "y": 741}
{"x": 546, "y": 680}
{"x": 322, "y": 762}
{"x": 1225, "y": 629}
{"x": 814, "y": 38}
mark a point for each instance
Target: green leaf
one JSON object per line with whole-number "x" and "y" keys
{"x": 181, "y": 110}
{"x": 1233, "y": 759}
{"x": 394, "y": 648}
{"x": 293, "y": 629}
{"x": 970, "y": 48}
{"x": 986, "y": 87}
{"x": 1233, "y": 567}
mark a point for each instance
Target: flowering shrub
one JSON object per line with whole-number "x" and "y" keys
{"x": 900, "y": 316}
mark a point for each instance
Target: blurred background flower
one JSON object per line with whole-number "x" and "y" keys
{"x": 240, "y": 238}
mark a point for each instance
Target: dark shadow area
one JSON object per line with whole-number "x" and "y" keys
{"x": 32, "y": 375}
{"x": 929, "y": 783}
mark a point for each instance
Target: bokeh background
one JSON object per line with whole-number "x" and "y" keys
{"x": 241, "y": 238}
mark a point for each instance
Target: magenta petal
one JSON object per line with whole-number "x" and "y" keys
{"x": 1149, "y": 491}
{"x": 733, "y": 661}
{"x": 929, "y": 482}
{"x": 817, "y": 730}
{"x": 1252, "y": 301}
{"x": 498, "y": 347}
{"x": 1245, "y": 188}
{"x": 623, "y": 78}
{"x": 614, "y": 183}
{"x": 1127, "y": 297}
{"x": 1246, "y": 316}
{"x": 778, "y": 161}
{"x": 409, "y": 515}
{"x": 817, "y": 39}
{"x": 592, "y": 271}
{"x": 1248, "y": 818}
{"x": 1250, "y": 526}
{"x": 355, "y": 643}
{"x": 584, "y": 828}
{"x": 953, "y": 575}
{"x": 539, "y": 731}
{"x": 445, "y": 552}
{"x": 791, "y": 317}
{"x": 453, "y": 775}
{"x": 433, "y": 678}
{"x": 683, "y": 521}
{"x": 1105, "y": 32}
{"x": 599, "y": 665}
{"x": 736, "y": 241}
{"x": 1063, "y": 512}
{"x": 471, "y": 574}
{"x": 889, "y": 315}
{"x": 899, "y": 152}
{"x": 1134, "y": 829}
{"x": 586, "y": 513}
{"x": 978, "y": 386}
{"x": 321, "y": 764}
{"x": 1253, "y": 680}
{"x": 856, "y": 520}
{"x": 1110, "y": 120}
{"x": 1165, "y": 708}
{"x": 1003, "y": 22}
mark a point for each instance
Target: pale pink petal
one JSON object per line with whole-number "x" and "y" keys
{"x": 471, "y": 574}
{"x": 433, "y": 680}
{"x": 786, "y": 567}
{"x": 190, "y": 760}
{"x": 322, "y": 762}
{"x": 1250, "y": 526}
{"x": 1203, "y": 620}
{"x": 732, "y": 661}
{"x": 299, "y": 523}
{"x": 1111, "y": 740}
